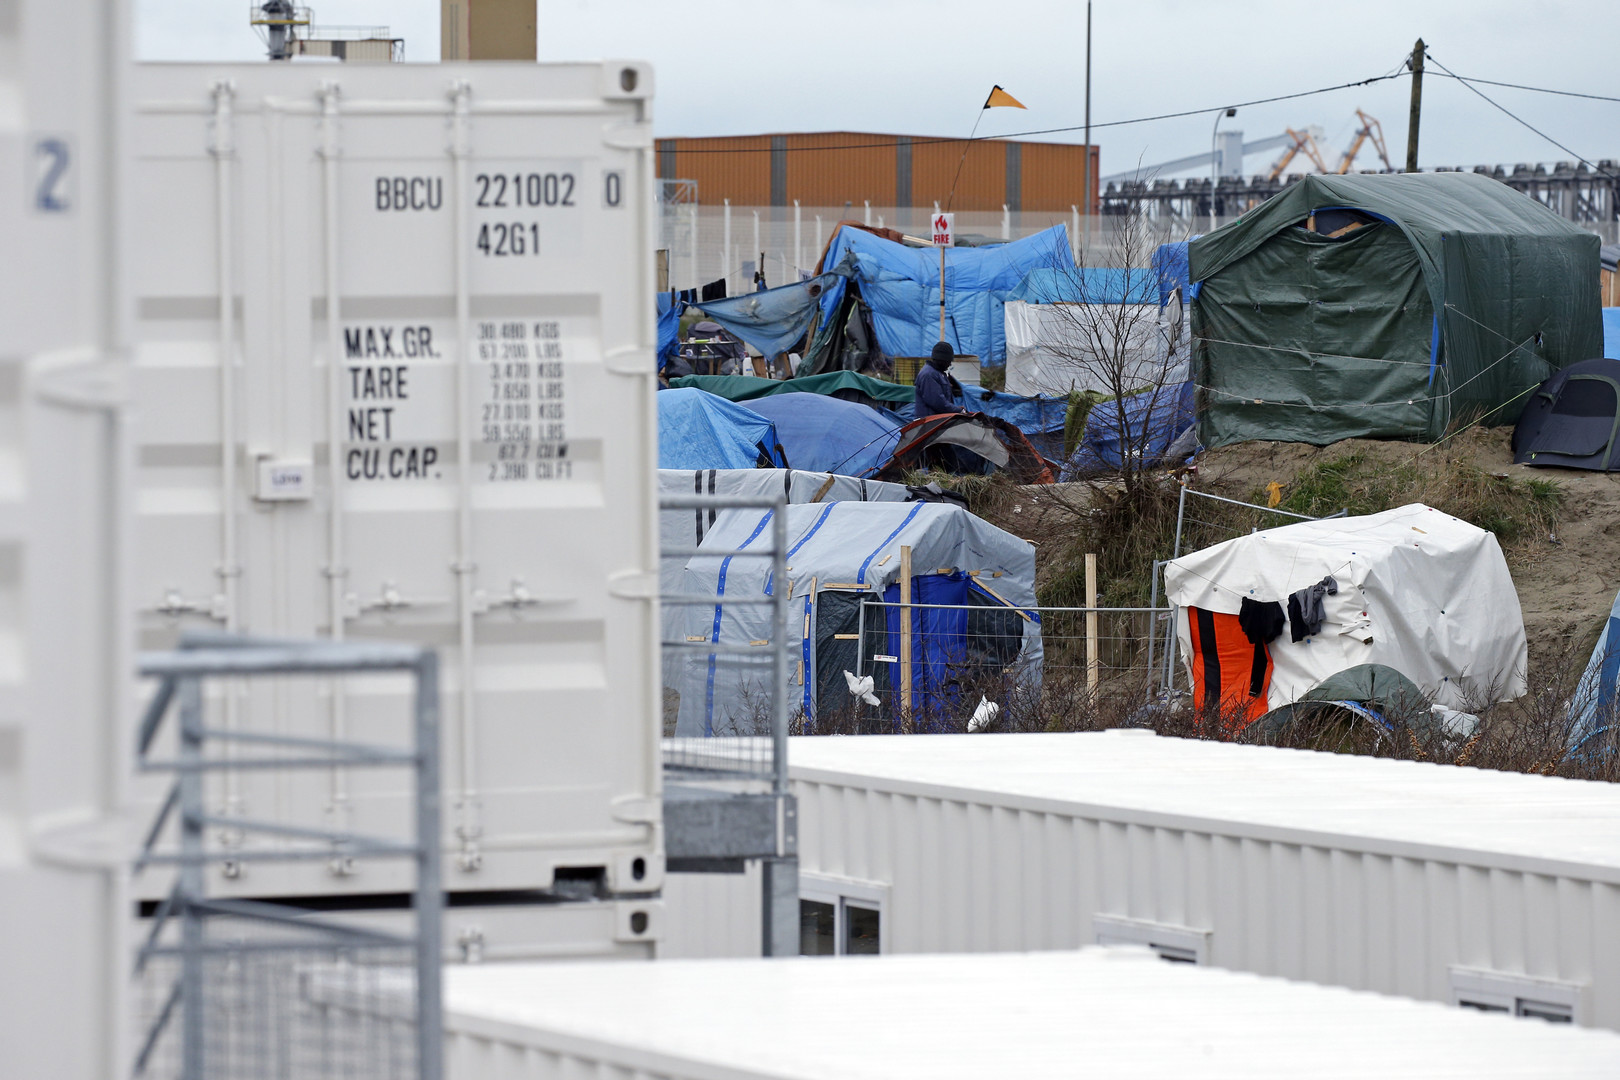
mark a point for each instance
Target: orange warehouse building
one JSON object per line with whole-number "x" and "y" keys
{"x": 836, "y": 167}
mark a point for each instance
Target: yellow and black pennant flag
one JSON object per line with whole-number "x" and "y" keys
{"x": 999, "y": 97}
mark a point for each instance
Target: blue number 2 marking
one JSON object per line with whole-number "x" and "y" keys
{"x": 51, "y": 196}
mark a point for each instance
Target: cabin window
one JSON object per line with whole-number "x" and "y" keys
{"x": 1173, "y": 944}
{"x": 841, "y": 917}
{"x": 1516, "y": 995}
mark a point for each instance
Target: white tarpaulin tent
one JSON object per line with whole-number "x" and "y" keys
{"x": 679, "y": 529}
{"x": 839, "y": 555}
{"x": 1045, "y": 343}
{"x": 1418, "y": 590}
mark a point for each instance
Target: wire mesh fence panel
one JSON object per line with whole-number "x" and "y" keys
{"x": 983, "y": 668}
{"x": 285, "y": 1005}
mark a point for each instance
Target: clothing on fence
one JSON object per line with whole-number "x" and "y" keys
{"x": 714, "y": 290}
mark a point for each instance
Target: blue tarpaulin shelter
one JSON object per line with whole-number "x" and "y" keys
{"x": 697, "y": 430}
{"x": 1593, "y": 710}
{"x": 825, "y": 434}
{"x": 669, "y": 328}
{"x": 1170, "y": 267}
{"x": 1086, "y": 285}
{"x": 901, "y": 286}
{"x": 1153, "y": 420}
{"x": 773, "y": 320}
{"x": 1611, "y": 333}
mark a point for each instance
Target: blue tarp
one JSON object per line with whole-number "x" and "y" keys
{"x": 697, "y": 430}
{"x": 1086, "y": 285}
{"x": 901, "y": 286}
{"x": 669, "y": 328}
{"x": 826, "y": 434}
{"x": 1150, "y": 430}
{"x": 1592, "y": 711}
{"x": 773, "y": 320}
{"x": 1611, "y": 332}
{"x": 1170, "y": 267}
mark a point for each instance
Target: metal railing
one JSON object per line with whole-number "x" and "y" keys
{"x": 247, "y": 989}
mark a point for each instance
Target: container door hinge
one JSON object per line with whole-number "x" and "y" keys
{"x": 638, "y": 810}
{"x": 628, "y": 136}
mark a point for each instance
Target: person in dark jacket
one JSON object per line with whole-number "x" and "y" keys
{"x": 936, "y": 390}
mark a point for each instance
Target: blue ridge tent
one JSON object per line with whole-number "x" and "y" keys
{"x": 773, "y": 320}
{"x": 840, "y": 555}
{"x": 697, "y": 430}
{"x": 825, "y": 434}
{"x": 900, "y": 285}
{"x": 1154, "y": 419}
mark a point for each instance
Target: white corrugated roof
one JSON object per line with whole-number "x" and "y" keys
{"x": 1095, "y": 1013}
{"x": 1511, "y": 820}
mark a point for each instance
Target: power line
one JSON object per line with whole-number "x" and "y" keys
{"x": 891, "y": 143}
{"x": 1514, "y": 116}
{"x": 1521, "y": 86}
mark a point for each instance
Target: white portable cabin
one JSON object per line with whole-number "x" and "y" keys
{"x": 1426, "y": 881}
{"x": 1095, "y": 1013}
{"x": 1418, "y": 590}
{"x": 393, "y": 377}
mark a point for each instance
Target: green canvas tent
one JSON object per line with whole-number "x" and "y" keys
{"x": 1386, "y": 306}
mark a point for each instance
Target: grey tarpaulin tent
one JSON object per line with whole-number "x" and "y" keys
{"x": 840, "y": 554}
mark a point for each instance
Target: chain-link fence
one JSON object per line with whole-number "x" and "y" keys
{"x": 707, "y": 242}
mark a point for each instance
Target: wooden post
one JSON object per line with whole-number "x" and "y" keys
{"x": 905, "y": 630}
{"x": 1091, "y": 622}
{"x": 1417, "y": 107}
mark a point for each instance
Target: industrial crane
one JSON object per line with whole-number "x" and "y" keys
{"x": 1369, "y": 129}
{"x": 1304, "y": 142}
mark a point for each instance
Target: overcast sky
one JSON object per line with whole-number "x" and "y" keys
{"x": 923, "y": 67}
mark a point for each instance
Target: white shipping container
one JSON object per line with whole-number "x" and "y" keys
{"x": 393, "y": 379}
{"x": 64, "y": 636}
{"x": 1458, "y": 885}
{"x": 1095, "y": 1013}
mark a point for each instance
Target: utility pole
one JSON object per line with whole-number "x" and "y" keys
{"x": 1416, "y": 63}
{"x": 1085, "y": 189}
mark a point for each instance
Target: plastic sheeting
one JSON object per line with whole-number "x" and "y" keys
{"x": 773, "y": 320}
{"x": 824, "y": 434}
{"x": 697, "y": 430}
{"x": 901, "y": 286}
{"x": 1464, "y": 297}
{"x": 1421, "y": 591}
{"x": 839, "y": 553}
{"x": 1611, "y": 332}
{"x": 1170, "y": 268}
{"x": 1055, "y": 348}
{"x": 1154, "y": 419}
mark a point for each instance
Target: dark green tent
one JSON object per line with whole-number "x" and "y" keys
{"x": 1386, "y": 306}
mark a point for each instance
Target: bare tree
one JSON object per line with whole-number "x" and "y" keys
{"x": 1117, "y": 347}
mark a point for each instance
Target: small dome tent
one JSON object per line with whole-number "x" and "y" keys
{"x": 1414, "y": 589}
{"x": 1385, "y": 306}
{"x": 1573, "y": 419}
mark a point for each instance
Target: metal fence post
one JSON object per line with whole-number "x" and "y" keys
{"x": 429, "y": 873}
{"x": 781, "y": 874}
{"x": 191, "y": 871}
